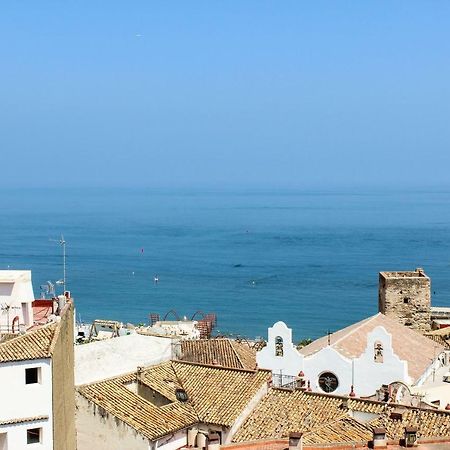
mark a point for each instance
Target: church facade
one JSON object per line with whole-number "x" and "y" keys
{"x": 356, "y": 360}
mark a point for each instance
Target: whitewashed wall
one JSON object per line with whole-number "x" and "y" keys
{"x": 120, "y": 355}
{"x": 291, "y": 363}
{"x": 329, "y": 360}
{"x": 16, "y": 288}
{"x": 17, "y": 436}
{"x": 368, "y": 376}
{"x": 20, "y": 400}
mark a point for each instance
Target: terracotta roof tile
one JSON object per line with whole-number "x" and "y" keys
{"x": 325, "y": 419}
{"x": 35, "y": 344}
{"x": 23, "y": 420}
{"x": 222, "y": 352}
{"x": 215, "y": 395}
{"x": 344, "y": 430}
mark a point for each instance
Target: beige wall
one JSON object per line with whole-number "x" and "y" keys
{"x": 64, "y": 435}
{"x": 97, "y": 429}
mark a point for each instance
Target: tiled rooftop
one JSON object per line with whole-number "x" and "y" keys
{"x": 325, "y": 419}
{"x": 216, "y": 395}
{"x": 439, "y": 339}
{"x": 221, "y": 352}
{"x": 35, "y": 344}
{"x": 149, "y": 420}
{"x": 408, "y": 345}
{"x": 23, "y": 420}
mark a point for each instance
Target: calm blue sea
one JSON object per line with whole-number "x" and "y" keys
{"x": 308, "y": 258}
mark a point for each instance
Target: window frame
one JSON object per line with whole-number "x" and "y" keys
{"x": 279, "y": 346}
{"x": 30, "y": 432}
{"x": 378, "y": 352}
{"x": 38, "y": 375}
{"x": 331, "y": 373}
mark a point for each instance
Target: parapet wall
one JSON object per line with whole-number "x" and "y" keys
{"x": 63, "y": 383}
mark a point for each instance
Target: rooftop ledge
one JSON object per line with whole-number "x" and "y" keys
{"x": 418, "y": 273}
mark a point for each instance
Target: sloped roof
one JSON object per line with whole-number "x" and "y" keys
{"x": 409, "y": 345}
{"x": 282, "y": 411}
{"x": 343, "y": 430}
{"x": 23, "y": 420}
{"x": 216, "y": 395}
{"x": 221, "y": 352}
{"x": 35, "y": 344}
{"x": 439, "y": 339}
{"x": 324, "y": 419}
{"x": 149, "y": 420}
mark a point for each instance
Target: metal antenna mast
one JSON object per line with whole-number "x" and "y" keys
{"x": 62, "y": 242}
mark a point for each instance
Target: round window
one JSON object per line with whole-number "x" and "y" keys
{"x": 328, "y": 382}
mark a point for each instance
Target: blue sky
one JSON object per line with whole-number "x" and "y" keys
{"x": 225, "y": 94}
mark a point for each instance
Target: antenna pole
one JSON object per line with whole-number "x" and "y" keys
{"x": 63, "y": 243}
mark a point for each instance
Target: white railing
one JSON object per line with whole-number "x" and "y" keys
{"x": 284, "y": 381}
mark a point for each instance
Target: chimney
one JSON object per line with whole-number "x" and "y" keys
{"x": 213, "y": 441}
{"x": 191, "y": 435}
{"x": 139, "y": 372}
{"x": 201, "y": 440}
{"x": 396, "y": 415}
{"x": 295, "y": 441}
{"x": 61, "y": 303}
{"x": 410, "y": 436}
{"x": 379, "y": 438}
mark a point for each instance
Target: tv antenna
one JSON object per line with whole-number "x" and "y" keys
{"x": 48, "y": 289}
{"x": 62, "y": 242}
{"x": 7, "y": 307}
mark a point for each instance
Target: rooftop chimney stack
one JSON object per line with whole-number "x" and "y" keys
{"x": 295, "y": 441}
{"x": 379, "y": 438}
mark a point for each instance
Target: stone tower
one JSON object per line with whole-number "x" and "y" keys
{"x": 406, "y": 297}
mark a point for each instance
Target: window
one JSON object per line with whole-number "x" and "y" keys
{"x": 279, "y": 346}
{"x": 34, "y": 435}
{"x": 378, "y": 352}
{"x": 32, "y": 375}
{"x": 328, "y": 382}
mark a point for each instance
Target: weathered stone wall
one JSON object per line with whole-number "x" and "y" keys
{"x": 406, "y": 296}
{"x": 63, "y": 383}
{"x": 97, "y": 430}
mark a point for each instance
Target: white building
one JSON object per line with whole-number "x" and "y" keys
{"x": 36, "y": 387}
{"x": 186, "y": 329}
{"x": 99, "y": 360}
{"x": 374, "y": 352}
{"x": 16, "y": 298}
